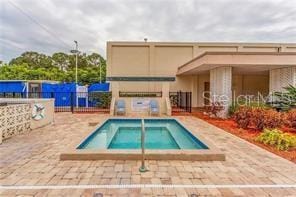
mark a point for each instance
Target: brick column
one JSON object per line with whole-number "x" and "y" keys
{"x": 281, "y": 77}
{"x": 220, "y": 87}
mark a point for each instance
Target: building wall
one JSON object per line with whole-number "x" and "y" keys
{"x": 250, "y": 84}
{"x": 241, "y": 85}
{"x": 163, "y": 59}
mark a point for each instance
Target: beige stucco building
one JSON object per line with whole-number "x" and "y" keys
{"x": 221, "y": 68}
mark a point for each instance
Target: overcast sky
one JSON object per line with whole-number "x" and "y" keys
{"x": 51, "y": 25}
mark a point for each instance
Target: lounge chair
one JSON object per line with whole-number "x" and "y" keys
{"x": 154, "y": 108}
{"x": 120, "y": 107}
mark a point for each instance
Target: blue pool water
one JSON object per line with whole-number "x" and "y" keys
{"x": 126, "y": 134}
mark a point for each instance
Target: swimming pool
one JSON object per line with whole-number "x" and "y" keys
{"x": 165, "y": 139}
{"x": 126, "y": 134}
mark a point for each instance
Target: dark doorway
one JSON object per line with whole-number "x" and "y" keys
{"x": 35, "y": 90}
{"x": 206, "y": 93}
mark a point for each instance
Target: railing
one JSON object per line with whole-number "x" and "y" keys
{"x": 143, "y": 167}
{"x": 81, "y": 102}
{"x": 181, "y": 101}
{"x": 140, "y": 94}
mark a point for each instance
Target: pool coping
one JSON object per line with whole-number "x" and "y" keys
{"x": 210, "y": 154}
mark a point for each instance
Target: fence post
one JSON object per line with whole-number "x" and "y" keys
{"x": 186, "y": 101}
{"x": 190, "y": 102}
{"x": 179, "y": 99}
{"x": 71, "y": 102}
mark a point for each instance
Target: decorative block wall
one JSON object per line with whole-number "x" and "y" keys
{"x": 14, "y": 119}
{"x": 282, "y": 77}
{"x": 220, "y": 87}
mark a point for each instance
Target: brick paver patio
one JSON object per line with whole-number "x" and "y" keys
{"x": 33, "y": 159}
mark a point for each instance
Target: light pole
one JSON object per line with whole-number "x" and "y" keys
{"x": 97, "y": 62}
{"x": 100, "y": 70}
{"x": 75, "y": 51}
{"x": 76, "y": 64}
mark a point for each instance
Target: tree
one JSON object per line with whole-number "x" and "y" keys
{"x": 61, "y": 60}
{"x": 58, "y": 67}
{"x": 33, "y": 59}
{"x": 94, "y": 59}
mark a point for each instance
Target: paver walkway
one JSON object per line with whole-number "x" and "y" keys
{"x": 33, "y": 159}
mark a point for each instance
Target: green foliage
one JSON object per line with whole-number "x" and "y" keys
{"x": 24, "y": 72}
{"x": 102, "y": 99}
{"x": 232, "y": 108}
{"x": 58, "y": 67}
{"x": 278, "y": 139}
{"x": 245, "y": 103}
{"x": 33, "y": 59}
{"x": 285, "y": 100}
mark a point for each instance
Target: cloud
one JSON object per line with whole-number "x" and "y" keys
{"x": 93, "y": 22}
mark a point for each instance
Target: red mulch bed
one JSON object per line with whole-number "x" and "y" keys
{"x": 248, "y": 134}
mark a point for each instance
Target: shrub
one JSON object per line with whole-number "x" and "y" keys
{"x": 214, "y": 108}
{"x": 101, "y": 99}
{"x": 258, "y": 117}
{"x": 243, "y": 103}
{"x": 233, "y": 108}
{"x": 285, "y": 101}
{"x": 266, "y": 118}
{"x": 291, "y": 118}
{"x": 278, "y": 139}
{"x": 243, "y": 117}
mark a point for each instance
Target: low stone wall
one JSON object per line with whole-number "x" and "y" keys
{"x": 18, "y": 116}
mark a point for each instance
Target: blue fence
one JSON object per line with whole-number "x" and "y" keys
{"x": 96, "y": 96}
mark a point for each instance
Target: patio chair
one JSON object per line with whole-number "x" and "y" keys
{"x": 120, "y": 107}
{"x": 154, "y": 108}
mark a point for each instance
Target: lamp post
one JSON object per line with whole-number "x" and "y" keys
{"x": 100, "y": 70}
{"x": 75, "y": 51}
{"x": 97, "y": 62}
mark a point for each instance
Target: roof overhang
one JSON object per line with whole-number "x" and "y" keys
{"x": 242, "y": 61}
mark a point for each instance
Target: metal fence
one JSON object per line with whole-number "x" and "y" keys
{"x": 75, "y": 102}
{"x": 89, "y": 102}
{"x": 181, "y": 101}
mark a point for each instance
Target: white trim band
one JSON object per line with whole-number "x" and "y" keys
{"x": 135, "y": 186}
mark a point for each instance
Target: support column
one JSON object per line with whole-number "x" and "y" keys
{"x": 165, "y": 88}
{"x": 281, "y": 77}
{"x": 220, "y": 87}
{"x": 115, "y": 89}
{"x": 165, "y": 100}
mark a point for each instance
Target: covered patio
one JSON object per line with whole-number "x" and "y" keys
{"x": 227, "y": 75}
